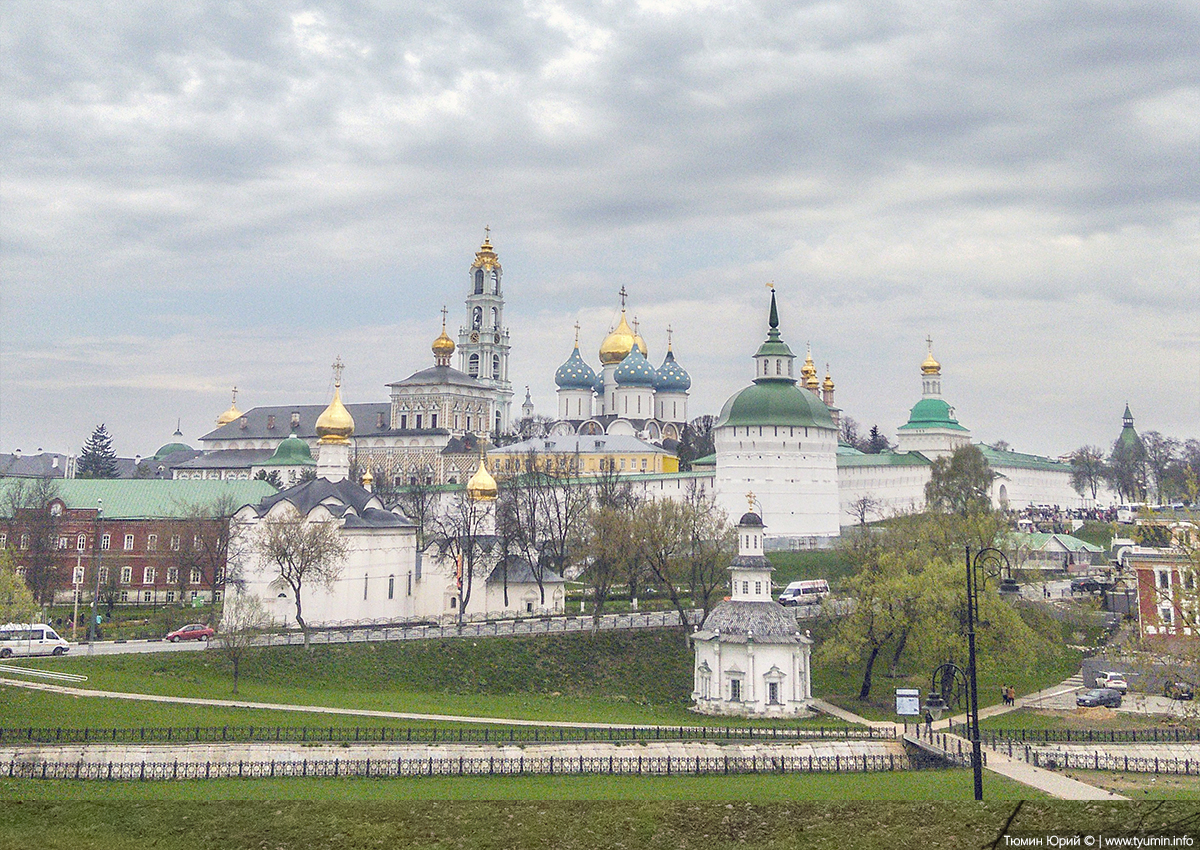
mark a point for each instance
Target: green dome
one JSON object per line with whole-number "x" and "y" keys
{"x": 931, "y": 413}
{"x": 775, "y": 402}
{"x": 170, "y": 449}
{"x": 291, "y": 452}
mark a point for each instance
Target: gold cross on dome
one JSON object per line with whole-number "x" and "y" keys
{"x": 443, "y": 317}
{"x": 669, "y": 332}
{"x": 234, "y": 401}
{"x": 577, "y": 334}
{"x": 623, "y": 295}
{"x": 487, "y": 233}
{"x": 929, "y": 343}
{"x": 750, "y": 499}
{"x": 338, "y": 366}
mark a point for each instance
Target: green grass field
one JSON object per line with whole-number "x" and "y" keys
{"x": 627, "y": 678}
{"x": 555, "y": 823}
{"x": 829, "y": 564}
{"x": 1099, "y": 719}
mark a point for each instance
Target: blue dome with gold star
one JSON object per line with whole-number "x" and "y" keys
{"x": 575, "y": 374}
{"x": 635, "y": 370}
{"x": 671, "y": 377}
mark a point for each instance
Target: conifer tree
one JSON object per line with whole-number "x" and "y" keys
{"x": 97, "y": 459}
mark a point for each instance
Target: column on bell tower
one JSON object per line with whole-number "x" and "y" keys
{"x": 483, "y": 344}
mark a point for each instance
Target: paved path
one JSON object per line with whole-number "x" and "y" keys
{"x": 1048, "y": 781}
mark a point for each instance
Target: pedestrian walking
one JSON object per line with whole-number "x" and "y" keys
{"x": 928, "y": 722}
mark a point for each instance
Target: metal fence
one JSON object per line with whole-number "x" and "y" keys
{"x": 487, "y": 628}
{"x": 433, "y": 734}
{"x": 1097, "y": 760}
{"x": 462, "y": 766}
{"x": 949, "y": 746}
{"x": 1000, "y": 738}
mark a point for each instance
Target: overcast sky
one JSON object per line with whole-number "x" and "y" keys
{"x": 197, "y": 195}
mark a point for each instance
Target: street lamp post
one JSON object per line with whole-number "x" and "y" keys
{"x": 99, "y": 560}
{"x": 991, "y": 561}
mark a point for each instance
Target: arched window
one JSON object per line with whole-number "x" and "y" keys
{"x": 479, "y": 281}
{"x": 496, "y": 366}
{"x": 495, "y": 318}
{"x": 495, "y": 283}
{"x": 473, "y": 366}
{"x": 477, "y": 318}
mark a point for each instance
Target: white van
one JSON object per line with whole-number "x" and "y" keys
{"x": 24, "y": 639}
{"x": 809, "y": 592}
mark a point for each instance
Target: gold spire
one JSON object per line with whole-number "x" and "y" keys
{"x": 443, "y": 346}
{"x": 482, "y": 486}
{"x": 930, "y": 366}
{"x": 808, "y": 372}
{"x": 232, "y": 413}
{"x": 335, "y": 424}
{"x": 485, "y": 257}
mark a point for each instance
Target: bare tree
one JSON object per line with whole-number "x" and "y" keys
{"x": 33, "y": 528}
{"x": 606, "y": 546}
{"x": 863, "y": 507}
{"x": 418, "y": 500}
{"x": 711, "y": 542}
{"x": 303, "y": 553}
{"x": 1087, "y": 470}
{"x": 244, "y": 621}
{"x": 207, "y": 545}
{"x": 661, "y": 529}
{"x": 463, "y": 532}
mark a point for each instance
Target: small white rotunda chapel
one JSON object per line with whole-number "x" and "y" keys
{"x": 751, "y": 659}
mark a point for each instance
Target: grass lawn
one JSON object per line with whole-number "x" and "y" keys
{"x": 594, "y": 824}
{"x": 1102, "y": 719}
{"x": 1141, "y": 786}
{"x": 829, "y": 564}
{"x": 628, "y": 678}
{"x": 902, "y": 785}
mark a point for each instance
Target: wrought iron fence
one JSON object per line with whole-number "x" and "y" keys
{"x": 1097, "y": 760}
{"x": 460, "y": 766}
{"x": 1000, "y": 738}
{"x": 432, "y": 734}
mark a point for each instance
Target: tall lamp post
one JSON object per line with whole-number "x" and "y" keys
{"x": 986, "y": 562}
{"x": 99, "y": 560}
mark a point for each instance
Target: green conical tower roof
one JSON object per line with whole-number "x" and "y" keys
{"x": 774, "y": 346}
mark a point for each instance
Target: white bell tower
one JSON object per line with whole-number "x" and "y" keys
{"x": 483, "y": 340}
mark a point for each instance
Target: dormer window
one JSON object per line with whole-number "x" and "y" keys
{"x": 295, "y": 419}
{"x": 270, "y": 422}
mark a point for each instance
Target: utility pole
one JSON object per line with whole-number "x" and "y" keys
{"x": 99, "y": 561}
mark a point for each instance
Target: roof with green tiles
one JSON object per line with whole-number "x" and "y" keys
{"x": 882, "y": 459}
{"x": 1001, "y": 458}
{"x": 125, "y": 498}
{"x": 931, "y": 413}
{"x": 1039, "y": 541}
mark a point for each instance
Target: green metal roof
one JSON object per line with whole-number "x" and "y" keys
{"x": 775, "y": 402}
{"x": 1037, "y": 541}
{"x": 171, "y": 448}
{"x": 999, "y": 459}
{"x": 882, "y": 459}
{"x": 291, "y": 452}
{"x": 707, "y": 460}
{"x": 931, "y": 413}
{"x": 126, "y": 498}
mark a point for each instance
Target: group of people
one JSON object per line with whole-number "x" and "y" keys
{"x": 1009, "y": 694}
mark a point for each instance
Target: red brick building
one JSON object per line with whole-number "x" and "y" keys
{"x": 139, "y": 541}
{"x": 1167, "y": 593}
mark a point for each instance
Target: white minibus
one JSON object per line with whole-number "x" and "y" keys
{"x": 808, "y": 592}
{"x": 25, "y": 639}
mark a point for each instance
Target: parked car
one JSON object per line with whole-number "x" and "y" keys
{"x": 1178, "y": 690}
{"x": 1099, "y": 696}
{"x": 1112, "y": 679}
{"x": 192, "y": 631}
{"x": 1086, "y": 584}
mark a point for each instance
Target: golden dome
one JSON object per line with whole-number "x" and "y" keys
{"x": 808, "y": 372}
{"x": 232, "y": 413}
{"x": 930, "y": 366}
{"x": 482, "y": 486}
{"x": 619, "y": 343}
{"x": 485, "y": 257}
{"x": 367, "y": 479}
{"x": 335, "y": 424}
{"x": 443, "y": 346}
{"x": 827, "y": 384}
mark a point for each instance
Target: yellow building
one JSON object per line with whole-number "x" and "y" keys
{"x": 577, "y": 455}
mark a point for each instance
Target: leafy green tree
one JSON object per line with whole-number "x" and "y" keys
{"x": 97, "y": 459}
{"x": 17, "y": 604}
{"x": 271, "y": 478}
{"x": 31, "y": 519}
{"x": 1126, "y": 470}
{"x": 1088, "y": 470}
{"x": 960, "y": 483}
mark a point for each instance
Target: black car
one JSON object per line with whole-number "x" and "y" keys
{"x": 1087, "y": 584}
{"x": 1099, "y": 696}
{"x": 1178, "y": 690}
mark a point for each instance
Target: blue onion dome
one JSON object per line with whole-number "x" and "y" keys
{"x": 575, "y": 374}
{"x": 671, "y": 377}
{"x": 598, "y": 387}
{"x": 635, "y": 370}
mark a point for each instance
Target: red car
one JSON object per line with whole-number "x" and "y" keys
{"x": 193, "y": 631}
